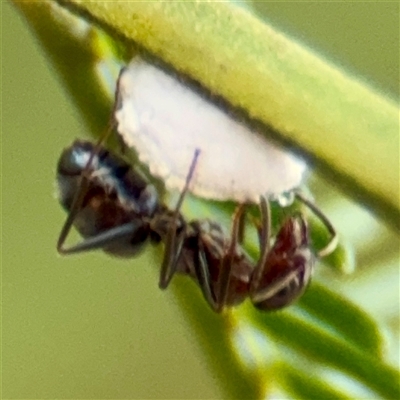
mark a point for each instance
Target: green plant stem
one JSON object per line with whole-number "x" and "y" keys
{"x": 215, "y": 332}
{"x": 80, "y": 81}
{"x": 348, "y": 130}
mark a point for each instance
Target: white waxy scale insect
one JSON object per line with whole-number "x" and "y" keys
{"x": 165, "y": 121}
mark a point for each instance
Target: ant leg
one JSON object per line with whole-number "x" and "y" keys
{"x": 75, "y": 207}
{"x": 332, "y": 244}
{"x": 218, "y": 299}
{"x": 102, "y": 239}
{"x": 172, "y": 254}
{"x": 173, "y": 244}
{"x": 228, "y": 259}
{"x": 83, "y": 187}
{"x": 109, "y": 128}
{"x": 200, "y": 263}
{"x": 84, "y": 184}
{"x": 264, "y": 233}
{"x": 241, "y": 227}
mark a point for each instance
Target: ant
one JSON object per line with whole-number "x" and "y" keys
{"x": 116, "y": 209}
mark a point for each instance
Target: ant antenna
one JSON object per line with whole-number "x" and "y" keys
{"x": 332, "y": 244}
{"x": 187, "y": 182}
{"x": 84, "y": 181}
{"x": 110, "y": 126}
{"x": 83, "y": 187}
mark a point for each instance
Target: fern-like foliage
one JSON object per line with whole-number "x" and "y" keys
{"x": 330, "y": 344}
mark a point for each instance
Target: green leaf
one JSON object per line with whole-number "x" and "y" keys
{"x": 354, "y": 325}
{"x": 303, "y": 385}
{"x": 76, "y": 73}
{"x": 322, "y": 346}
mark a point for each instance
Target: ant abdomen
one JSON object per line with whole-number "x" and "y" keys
{"x": 288, "y": 267}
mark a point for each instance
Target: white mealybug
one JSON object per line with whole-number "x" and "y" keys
{"x": 165, "y": 121}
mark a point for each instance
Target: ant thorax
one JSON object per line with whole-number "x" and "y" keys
{"x": 162, "y": 221}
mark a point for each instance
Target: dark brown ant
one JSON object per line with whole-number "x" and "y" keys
{"x": 225, "y": 273}
{"x": 115, "y": 209}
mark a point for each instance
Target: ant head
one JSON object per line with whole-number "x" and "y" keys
{"x": 288, "y": 268}
{"x": 74, "y": 158}
{"x": 69, "y": 169}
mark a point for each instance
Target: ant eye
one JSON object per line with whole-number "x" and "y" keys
{"x": 286, "y": 288}
{"x": 74, "y": 158}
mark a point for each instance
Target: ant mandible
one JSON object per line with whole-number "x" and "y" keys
{"x": 114, "y": 208}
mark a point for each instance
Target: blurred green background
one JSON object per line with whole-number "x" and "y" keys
{"x": 94, "y": 327}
